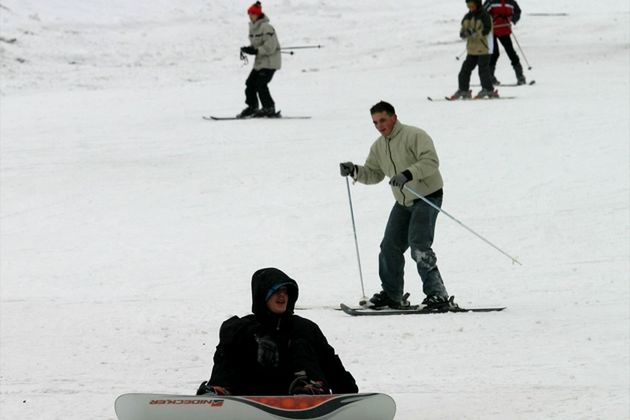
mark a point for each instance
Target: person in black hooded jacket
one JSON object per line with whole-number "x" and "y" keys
{"x": 273, "y": 351}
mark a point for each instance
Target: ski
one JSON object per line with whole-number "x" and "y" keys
{"x": 413, "y": 310}
{"x": 531, "y": 82}
{"x": 446, "y": 98}
{"x": 275, "y": 116}
{"x": 366, "y": 406}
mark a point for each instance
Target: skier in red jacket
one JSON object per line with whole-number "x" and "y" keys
{"x": 505, "y": 13}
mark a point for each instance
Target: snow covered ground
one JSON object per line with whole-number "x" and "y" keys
{"x": 130, "y": 227}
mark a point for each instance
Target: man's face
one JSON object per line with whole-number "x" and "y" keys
{"x": 278, "y": 302}
{"x": 384, "y": 122}
{"x": 253, "y": 18}
{"x": 472, "y": 6}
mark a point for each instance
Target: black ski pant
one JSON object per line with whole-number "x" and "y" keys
{"x": 256, "y": 86}
{"x": 485, "y": 74}
{"x": 411, "y": 227}
{"x": 506, "y": 41}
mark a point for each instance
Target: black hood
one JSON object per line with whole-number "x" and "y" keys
{"x": 266, "y": 279}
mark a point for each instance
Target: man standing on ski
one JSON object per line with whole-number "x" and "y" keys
{"x": 265, "y": 46}
{"x": 407, "y": 156}
{"x": 504, "y": 13}
{"x": 476, "y": 29}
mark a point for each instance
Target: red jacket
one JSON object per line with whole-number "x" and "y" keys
{"x": 504, "y": 13}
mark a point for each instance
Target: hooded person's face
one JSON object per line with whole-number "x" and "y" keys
{"x": 278, "y": 301}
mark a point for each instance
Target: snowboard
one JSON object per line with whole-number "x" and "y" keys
{"x": 413, "y": 310}
{"x": 366, "y": 406}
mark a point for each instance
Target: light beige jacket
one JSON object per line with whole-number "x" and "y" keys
{"x": 407, "y": 148}
{"x": 262, "y": 36}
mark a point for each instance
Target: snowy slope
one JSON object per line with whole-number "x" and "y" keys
{"x": 130, "y": 227}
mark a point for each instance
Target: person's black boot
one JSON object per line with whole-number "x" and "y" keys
{"x": 520, "y": 77}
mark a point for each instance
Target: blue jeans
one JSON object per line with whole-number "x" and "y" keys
{"x": 410, "y": 227}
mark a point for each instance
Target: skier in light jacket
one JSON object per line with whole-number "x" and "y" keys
{"x": 407, "y": 156}
{"x": 265, "y": 46}
{"x": 476, "y": 29}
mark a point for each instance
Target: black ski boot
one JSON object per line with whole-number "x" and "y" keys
{"x": 440, "y": 303}
{"x": 520, "y": 77}
{"x": 247, "y": 112}
{"x": 268, "y": 112}
{"x": 382, "y": 300}
{"x": 461, "y": 94}
{"x": 484, "y": 93}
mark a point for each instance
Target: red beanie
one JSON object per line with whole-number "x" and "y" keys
{"x": 255, "y": 9}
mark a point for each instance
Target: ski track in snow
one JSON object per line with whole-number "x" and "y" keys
{"x": 130, "y": 227}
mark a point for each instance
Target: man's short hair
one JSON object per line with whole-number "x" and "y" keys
{"x": 383, "y": 106}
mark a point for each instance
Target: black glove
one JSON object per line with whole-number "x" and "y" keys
{"x": 268, "y": 355}
{"x": 465, "y": 33}
{"x": 301, "y": 385}
{"x": 204, "y": 388}
{"x": 347, "y": 168}
{"x": 249, "y": 50}
{"x": 400, "y": 179}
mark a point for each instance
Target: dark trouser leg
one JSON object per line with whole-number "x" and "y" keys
{"x": 391, "y": 259}
{"x": 264, "y": 77}
{"x": 495, "y": 56}
{"x": 421, "y": 232}
{"x": 506, "y": 41}
{"x": 251, "y": 98}
{"x": 485, "y": 75}
{"x": 464, "y": 74}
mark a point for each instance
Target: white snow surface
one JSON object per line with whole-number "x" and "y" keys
{"x": 130, "y": 227}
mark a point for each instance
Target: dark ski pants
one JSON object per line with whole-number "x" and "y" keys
{"x": 410, "y": 227}
{"x": 256, "y": 86}
{"x": 485, "y": 74}
{"x": 506, "y": 41}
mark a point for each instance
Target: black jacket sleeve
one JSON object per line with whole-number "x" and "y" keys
{"x": 328, "y": 366}
{"x": 236, "y": 344}
{"x": 516, "y": 15}
{"x": 487, "y": 23}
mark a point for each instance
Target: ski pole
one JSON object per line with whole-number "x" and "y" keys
{"x": 302, "y": 47}
{"x": 356, "y": 242}
{"x": 529, "y": 67}
{"x": 287, "y": 52}
{"x": 460, "y": 54}
{"x": 514, "y": 260}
